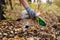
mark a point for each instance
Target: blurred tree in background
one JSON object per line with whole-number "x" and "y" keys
{"x": 2, "y": 4}
{"x": 10, "y": 1}
{"x": 49, "y": 1}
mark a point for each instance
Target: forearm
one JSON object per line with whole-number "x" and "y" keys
{"x": 24, "y": 3}
{"x": 31, "y": 12}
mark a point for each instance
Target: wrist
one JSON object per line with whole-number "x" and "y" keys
{"x": 28, "y": 8}
{"x": 31, "y": 12}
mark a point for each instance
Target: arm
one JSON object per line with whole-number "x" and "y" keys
{"x": 31, "y": 12}
{"x": 24, "y": 3}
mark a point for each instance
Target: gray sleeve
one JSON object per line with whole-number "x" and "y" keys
{"x": 31, "y": 12}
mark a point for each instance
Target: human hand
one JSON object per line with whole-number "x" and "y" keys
{"x": 24, "y": 14}
{"x": 32, "y": 13}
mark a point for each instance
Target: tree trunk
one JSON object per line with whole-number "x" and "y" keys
{"x": 10, "y": 2}
{"x": 2, "y": 2}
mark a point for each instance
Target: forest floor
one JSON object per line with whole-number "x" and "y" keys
{"x": 29, "y": 30}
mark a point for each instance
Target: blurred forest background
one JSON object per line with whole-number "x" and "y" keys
{"x": 14, "y": 7}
